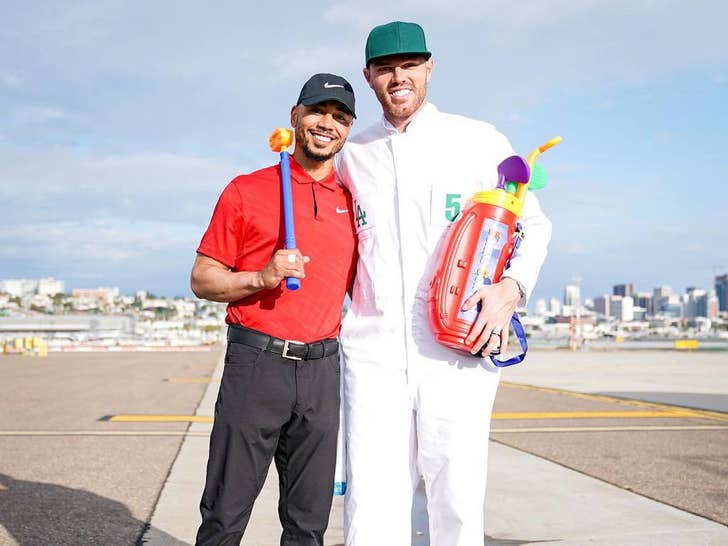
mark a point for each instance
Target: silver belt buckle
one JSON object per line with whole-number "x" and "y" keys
{"x": 286, "y": 345}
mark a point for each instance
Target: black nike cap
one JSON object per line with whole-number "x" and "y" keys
{"x": 322, "y": 87}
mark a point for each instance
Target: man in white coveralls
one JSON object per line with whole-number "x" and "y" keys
{"x": 415, "y": 407}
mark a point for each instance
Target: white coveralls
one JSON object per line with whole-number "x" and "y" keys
{"x": 412, "y": 406}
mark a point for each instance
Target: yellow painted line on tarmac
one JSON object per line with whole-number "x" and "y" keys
{"x": 648, "y": 428}
{"x": 680, "y": 411}
{"x": 519, "y": 415}
{"x": 202, "y": 433}
{"x": 52, "y": 433}
{"x": 159, "y": 418}
{"x": 586, "y": 414}
{"x": 192, "y": 380}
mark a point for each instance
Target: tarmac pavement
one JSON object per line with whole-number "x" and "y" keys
{"x": 529, "y": 498}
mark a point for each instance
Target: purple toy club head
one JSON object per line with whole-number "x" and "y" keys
{"x": 513, "y": 169}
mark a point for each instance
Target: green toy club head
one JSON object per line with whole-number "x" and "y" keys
{"x": 538, "y": 178}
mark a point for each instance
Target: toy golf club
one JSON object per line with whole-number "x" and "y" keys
{"x": 279, "y": 142}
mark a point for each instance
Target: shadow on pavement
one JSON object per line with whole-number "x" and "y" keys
{"x": 35, "y": 513}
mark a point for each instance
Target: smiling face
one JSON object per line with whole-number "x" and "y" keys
{"x": 321, "y": 130}
{"x": 400, "y": 84}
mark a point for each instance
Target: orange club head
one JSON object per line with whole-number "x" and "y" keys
{"x": 280, "y": 140}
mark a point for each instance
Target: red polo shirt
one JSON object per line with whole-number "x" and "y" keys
{"x": 247, "y": 228}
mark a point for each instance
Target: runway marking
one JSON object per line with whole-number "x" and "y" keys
{"x": 192, "y": 380}
{"x": 5, "y": 433}
{"x": 587, "y": 414}
{"x": 648, "y": 428}
{"x": 157, "y": 418}
{"x": 497, "y": 416}
{"x": 202, "y": 433}
{"x": 682, "y": 410}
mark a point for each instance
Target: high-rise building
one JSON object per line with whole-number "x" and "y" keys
{"x": 673, "y": 307}
{"x": 660, "y": 299}
{"x": 622, "y": 308}
{"x": 721, "y": 291}
{"x": 713, "y": 306}
{"x": 623, "y": 290}
{"x": 696, "y": 303}
{"x": 644, "y": 300}
{"x": 602, "y": 305}
{"x": 571, "y": 294}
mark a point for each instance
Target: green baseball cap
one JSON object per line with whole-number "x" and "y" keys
{"x": 396, "y": 38}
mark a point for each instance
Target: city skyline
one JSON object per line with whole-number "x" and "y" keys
{"x": 122, "y": 130}
{"x": 61, "y": 286}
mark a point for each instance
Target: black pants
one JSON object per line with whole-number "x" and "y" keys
{"x": 269, "y": 406}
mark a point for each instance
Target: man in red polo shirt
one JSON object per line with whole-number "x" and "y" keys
{"x": 279, "y": 395}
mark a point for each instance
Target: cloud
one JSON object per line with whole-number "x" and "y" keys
{"x": 302, "y": 63}
{"x": 108, "y": 241}
{"x": 590, "y": 40}
{"x": 132, "y": 221}
{"x": 61, "y": 184}
{"x": 127, "y": 119}
{"x": 41, "y": 114}
{"x": 10, "y": 81}
{"x": 109, "y": 251}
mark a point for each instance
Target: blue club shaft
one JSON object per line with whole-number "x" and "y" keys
{"x": 291, "y": 282}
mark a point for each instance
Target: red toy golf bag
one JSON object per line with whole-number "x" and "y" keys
{"x": 476, "y": 250}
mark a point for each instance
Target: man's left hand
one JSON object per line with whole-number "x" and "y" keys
{"x": 497, "y": 304}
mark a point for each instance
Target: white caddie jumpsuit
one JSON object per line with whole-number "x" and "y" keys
{"x": 412, "y": 406}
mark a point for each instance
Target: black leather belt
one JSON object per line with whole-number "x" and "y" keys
{"x": 287, "y": 348}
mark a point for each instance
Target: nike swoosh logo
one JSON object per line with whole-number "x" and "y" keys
{"x": 341, "y": 211}
{"x": 328, "y": 85}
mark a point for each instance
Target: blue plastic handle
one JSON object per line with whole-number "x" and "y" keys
{"x": 521, "y": 334}
{"x": 292, "y": 283}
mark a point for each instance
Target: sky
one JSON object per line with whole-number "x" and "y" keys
{"x": 122, "y": 121}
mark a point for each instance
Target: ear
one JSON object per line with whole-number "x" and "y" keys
{"x": 367, "y": 73}
{"x": 294, "y": 116}
{"x": 429, "y": 64}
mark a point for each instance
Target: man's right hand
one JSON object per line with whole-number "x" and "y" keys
{"x": 214, "y": 281}
{"x": 284, "y": 263}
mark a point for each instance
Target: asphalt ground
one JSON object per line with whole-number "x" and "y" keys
{"x": 66, "y": 475}
{"x": 675, "y": 456}
{"x": 679, "y": 458}
{"x": 70, "y": 473}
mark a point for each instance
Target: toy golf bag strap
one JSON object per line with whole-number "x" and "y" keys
{"x": 521, "y": 334}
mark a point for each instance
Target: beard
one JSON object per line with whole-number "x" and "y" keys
{"x": 401, "y": 111}
{"x": 318, "y": 156}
